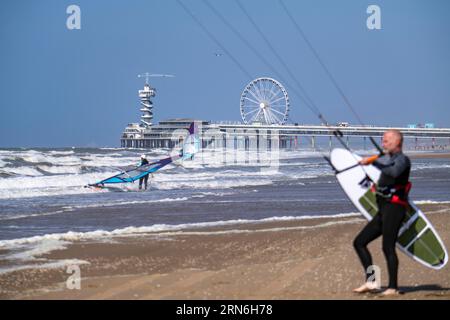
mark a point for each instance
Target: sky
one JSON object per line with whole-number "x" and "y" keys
{"x": 61, "y": 87}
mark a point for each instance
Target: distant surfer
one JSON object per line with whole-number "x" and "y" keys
{"x": 143, "y": 179}
{"x": 391, "y": 194}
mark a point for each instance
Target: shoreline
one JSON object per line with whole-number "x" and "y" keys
{"x": 418, "y": 154}
{"x": 295, "y": 259}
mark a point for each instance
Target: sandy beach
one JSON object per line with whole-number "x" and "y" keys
{"x": 305, "y": 259}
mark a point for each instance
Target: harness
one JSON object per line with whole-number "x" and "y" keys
{"x": 397, "y": 194}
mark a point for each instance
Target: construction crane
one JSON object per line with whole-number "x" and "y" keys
{"x": 148, "y": 75}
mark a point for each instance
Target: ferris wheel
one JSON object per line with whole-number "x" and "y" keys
{"x": 264, "y": 100}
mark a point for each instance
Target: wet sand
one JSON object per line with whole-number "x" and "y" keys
{"x": 302, "y": 259}
{"x": 428, "y": 155}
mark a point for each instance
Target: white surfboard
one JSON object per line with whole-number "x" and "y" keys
{"x": 417, "y": 237}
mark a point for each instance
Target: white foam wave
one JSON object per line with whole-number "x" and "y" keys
{"x": 94, "y": 160}
{"x": 60, "y": 169}
{"x": 23, "y": 171}
{"x": 20, "y": 187}
{"x": 21, "y": 216}
{"x": 427, "y": 166}
{"x": 32, "y": 248}
{"x": 431, "y": 202}
{"x": 3, "y": 163}
{"x": 211, "y": 184}
{"x": 49, "y": 265}
{"x": 56, "y": 152}
{"x": 92, "y": 235}
{"x": 123, "y": 203}
{"x": 70, "y": 181}
{"x": 40, "y": 158}
{"x": 111, "y": 148}
{"x": 33, "y": 181}
{"x": 217, "y": 194}
{"x": 271, "y": 229}
{"x": 30, "y": 252}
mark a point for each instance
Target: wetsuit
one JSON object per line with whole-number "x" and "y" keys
{"x": 395, "y": 170}
{"x": 144, "y": 178}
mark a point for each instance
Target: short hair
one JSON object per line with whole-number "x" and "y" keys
{"x": 397, "y": 133}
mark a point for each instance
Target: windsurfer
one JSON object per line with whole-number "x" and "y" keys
{"x": 143, "y": 179}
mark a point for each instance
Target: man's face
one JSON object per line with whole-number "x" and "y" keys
{"x": 391, "y": 141}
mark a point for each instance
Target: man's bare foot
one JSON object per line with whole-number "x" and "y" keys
{"x": 390, "y": 292}
{"x": 366, "y": 287}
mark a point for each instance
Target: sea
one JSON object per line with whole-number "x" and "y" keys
{"x": 45, "y": 204}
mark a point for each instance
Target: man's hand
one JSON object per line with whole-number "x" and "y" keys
{"x": 368, "y": 160}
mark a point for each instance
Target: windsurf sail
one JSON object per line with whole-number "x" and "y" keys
{"x": 191, "y": 146}
{"x": 192, "y": 143}
{"x": 135, "y": 173}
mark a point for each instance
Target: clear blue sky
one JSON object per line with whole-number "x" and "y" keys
{"x": 61, "y": 87}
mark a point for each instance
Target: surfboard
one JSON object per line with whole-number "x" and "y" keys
{"x": 417, "y": 238}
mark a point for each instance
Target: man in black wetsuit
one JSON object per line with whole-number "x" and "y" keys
{"x": 391, "y": 195}
{"x": 144, "y": 179}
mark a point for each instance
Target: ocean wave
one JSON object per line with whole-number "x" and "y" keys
{"x": 69, "y": 180}
{"x": 24, "y": 187}
{"x": 56, "y": 152}
{"x": 3, "y": 163}
{"x": 427, "y": 166}
{"x": 44, "y": 158}
{"x": 71, "y": 208}
{"x": 60, "y": 169}
{"x": 123, "y": 203}
{"x": 30, "y": 252}
{"x": 21, "y": 171}
{"x": 67, "y": 183}
{"x": 35, "y": 173}
{"x": 209, "y": 193}
{"x": 48, "y": 265}
{"x": 109, "y": 161}
{"x": 98, "y": 234}
{"x": 31, "y": 215}
{"x": 270, "y": 229}
{"x": 431, "y": 202}
{"x": 210, "y": 184}
{"x": 32, "y": 248}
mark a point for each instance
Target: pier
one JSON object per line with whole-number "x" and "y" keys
{"x": 264, "y": 126}
{"x": 168, "y": 133}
